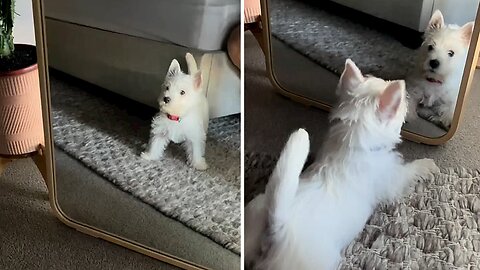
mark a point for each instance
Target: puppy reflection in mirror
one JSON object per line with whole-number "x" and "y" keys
{"x": 183, "y": 115}
{"x": 436, "y": 82}
{"x": 303, "y": 221}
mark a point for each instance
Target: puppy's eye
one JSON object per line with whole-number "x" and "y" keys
{"x": 182, "y": 92}
{"x": 430, "y": 47}
{"x": 166, "y": 88}
{"x": 451, "y": 53}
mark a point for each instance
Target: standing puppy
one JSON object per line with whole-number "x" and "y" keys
{"x": 435, "y": 83}
{"x": 303, "y": 222}
{"x": 183, "y": 115}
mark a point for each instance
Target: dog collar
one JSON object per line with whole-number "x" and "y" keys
{"x": 432, "y": 80}
{"x": 173, "y": 117}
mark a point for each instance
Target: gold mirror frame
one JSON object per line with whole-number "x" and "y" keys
{"x": 465, "y": 86}
{"x": 42, "y": 59}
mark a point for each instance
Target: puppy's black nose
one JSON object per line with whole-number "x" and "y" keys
{"x": 166, "y": 99}
{"x": 434, "y": 63}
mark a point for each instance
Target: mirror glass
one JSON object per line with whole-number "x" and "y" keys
{"x": 422, "y": 42}
{"x": 111, "y": 68}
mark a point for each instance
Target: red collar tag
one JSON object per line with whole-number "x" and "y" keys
{"x": 432, "y": 80}
{"x": 173, "y": 117}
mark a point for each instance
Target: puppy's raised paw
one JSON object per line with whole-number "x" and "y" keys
{"x": 426, "y": 166}
{"x": 200, "y": 164}
{"x": 300, "y": 142}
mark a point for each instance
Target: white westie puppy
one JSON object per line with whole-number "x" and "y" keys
{"x": 183, "y": 115}
{"x": 435, "y": 83}
{"x": 304, "y": 221}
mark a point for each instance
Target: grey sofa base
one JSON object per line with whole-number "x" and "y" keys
{"x": 135, "y": 67}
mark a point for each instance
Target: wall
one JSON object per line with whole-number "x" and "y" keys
{"x": 23, "y": 29}
{"x": 457, "y": 12}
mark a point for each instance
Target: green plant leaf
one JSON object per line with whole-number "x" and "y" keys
{"x": 7, "y": 14}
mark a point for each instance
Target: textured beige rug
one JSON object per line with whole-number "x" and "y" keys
{"x": 436, "y": 227}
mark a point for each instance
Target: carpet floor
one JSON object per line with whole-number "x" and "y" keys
{"x": 31, "y": 237}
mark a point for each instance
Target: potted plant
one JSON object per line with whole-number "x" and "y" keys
{"x": 21, "y": 125}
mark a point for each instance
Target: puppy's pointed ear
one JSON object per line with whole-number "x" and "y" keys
{"x": 197, "y": 80}
{"x": 174, "y": 68}
{"x": 390, "y": 99}
{"x": 436, "y": 22}
{"x": 466, "y": 32}
{"x": 351, "y": 77}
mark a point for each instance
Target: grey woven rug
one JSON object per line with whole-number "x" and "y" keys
{"x": 436, "y": 227}
{"x": 109, "y": 139}
{"x": 329, "y": 40}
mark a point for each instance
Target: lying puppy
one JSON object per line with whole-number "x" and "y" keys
{"x": 304, "y": 222}
{"x": 183, "y": 115}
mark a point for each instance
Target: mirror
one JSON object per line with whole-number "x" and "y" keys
{"x": 429, "y": 44}
{"x": 107, "y": 75}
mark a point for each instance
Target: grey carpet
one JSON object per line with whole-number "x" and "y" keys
{"x": 436, "y": 227}
{"x": 31, "y": 237}
{"x": 108, "y": 139}
{"x": 329, "y": 39}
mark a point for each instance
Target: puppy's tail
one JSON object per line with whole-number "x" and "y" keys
{"x": 191, "y": 63}
{"x": 283, "y": 184}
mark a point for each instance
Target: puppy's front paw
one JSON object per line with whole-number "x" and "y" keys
{"x": 200, "y": 164}
{"x": 445, "y": 122}
{"x": 147, "y": 156}
{"x": 425, "y": 113}
{"x": 426, "y": 166}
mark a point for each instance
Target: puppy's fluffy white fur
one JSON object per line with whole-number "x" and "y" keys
{"x": 436, "y": 87}
{"x": 304, "y": 222}
{"x": 183, "y": 115}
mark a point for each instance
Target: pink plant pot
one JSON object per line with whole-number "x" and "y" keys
{"x": 21, "y": 124}
{"x": 252, "y": 11}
